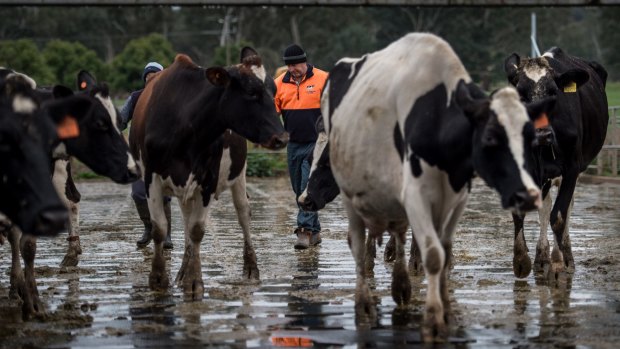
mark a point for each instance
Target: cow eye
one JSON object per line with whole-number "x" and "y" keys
{"x": 102, "y": 125}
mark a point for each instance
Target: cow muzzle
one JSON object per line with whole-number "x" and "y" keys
{"x": 525, "y": 200}
{"x": 544, "y": 137}
{"x": 51, "y": 221}
{"x": 276, "y": 142}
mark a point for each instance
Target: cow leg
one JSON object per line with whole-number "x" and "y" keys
{"x": 158, "y": 279}
{"x": 32, "y": 304}
{"x": 433, "y": 260}
{"x": 389, "y": 254}
{"x": 190, "y": 274}
{"x": 415, "y": 259}
{"x": 18, "y": 284}
{"x": 401, "y": 285}
{"x": 521, "y": 262}
{"x": 562, "y": 255}
{"x": 242, "y": 206}
{"x": 364, "y": 303}
{"x": 371, "y": 254}
{"x": 66, "y": 189}
{"x": 542, "y": 259}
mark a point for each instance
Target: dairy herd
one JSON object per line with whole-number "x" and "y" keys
{"x": 404, "y": 132}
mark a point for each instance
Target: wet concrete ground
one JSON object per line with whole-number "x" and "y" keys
{"x": 306, "y": 298}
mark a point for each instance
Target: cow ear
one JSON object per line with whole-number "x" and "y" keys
{"x": 247, "y": 52}
{"x": 511, "y": 67}
{"x": 218, "y": 76}
{"x": 472, "y": 100}
{"x": 539, "y": 110}
{"x": 571, "y": 80}
{"x": 60, "y": 91}
{"x": 85, "y": 81}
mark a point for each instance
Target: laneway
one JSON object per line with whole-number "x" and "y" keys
{"x": 307, "y": 297}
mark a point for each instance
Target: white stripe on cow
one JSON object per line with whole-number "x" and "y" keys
{"x": 109, "y": 106}
{"x": 513, "y": 117}
{"x": 259, "y": 71}
{"x": 23, "y": 104}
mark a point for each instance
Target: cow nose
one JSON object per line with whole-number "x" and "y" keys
{"x": 544, "y": 136}
{"x": 526, "y": 200}
{"x": 277, "y": 141}
{"x": 52, "y": 221}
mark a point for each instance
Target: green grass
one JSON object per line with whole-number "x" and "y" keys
{"x": 613, "y": 93}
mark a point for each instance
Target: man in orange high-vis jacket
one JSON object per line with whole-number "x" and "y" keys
{"x": 298, "y": 99}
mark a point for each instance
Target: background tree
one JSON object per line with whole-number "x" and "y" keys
{"x": 66, "y": 59}
{"x": 24, "y": 56}
{"x": 128, "y": 65}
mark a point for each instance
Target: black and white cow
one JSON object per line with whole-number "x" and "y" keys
{"x": 99, "y": 144}
{"x": 567, "y": 142}
{"x": 27, "y": 196}
{"x": 176, "y": 133}
{"x": 407, "y": 131}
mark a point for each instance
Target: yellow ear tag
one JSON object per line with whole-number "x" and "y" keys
{"x": 68, "y": 128}
{"x": 542, "y": 121}
{"x": 571, "y": 87}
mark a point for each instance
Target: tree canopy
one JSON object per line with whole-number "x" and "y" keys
{"x": 50, "y": 43}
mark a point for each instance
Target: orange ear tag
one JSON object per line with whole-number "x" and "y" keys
{"x": 68, "y": 128}
{"x": 542, "y": 121}
{"x": 83, "y": 85}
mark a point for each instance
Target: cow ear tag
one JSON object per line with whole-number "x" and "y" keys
{"x": 68, "y": 128}
{"x": 542, "y": 121}
{"x": 571, "y": 87}
{"x": 83, "y": 85}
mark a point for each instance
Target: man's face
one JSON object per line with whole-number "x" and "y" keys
{"x": 297, "y": 70}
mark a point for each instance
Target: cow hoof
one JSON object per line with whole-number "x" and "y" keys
{"x": 251, "y": 273}
{"x": 434, "y": 329}
{"x": 158, "y": 281}
{"x": 521, "y": 266}
{"x": 401, "y": 285}
{"x": 415, "y": 266}
{"x": 70, "y": 260}
{"x": 194, "y": 291}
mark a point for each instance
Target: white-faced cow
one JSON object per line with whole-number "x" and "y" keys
{"x": 566, "y": 144}
{"x": 177, "y": 126}
{"x": 404, "y": 149}
{"x": 98, "y": 143}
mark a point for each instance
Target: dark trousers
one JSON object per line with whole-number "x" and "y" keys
{"x": 299, "y": 170}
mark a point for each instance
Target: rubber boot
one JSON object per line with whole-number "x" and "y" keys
{"x": 143, "y": 211}
{"x": 168, "y": 241}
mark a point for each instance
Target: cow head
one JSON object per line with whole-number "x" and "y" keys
{"x": 322, "y": 187}
{"x": 100, "y": 144}
{"x": 246, "y": 103}
{"x": 503, "y": 134}
{"x": 540, "y": 78}
{"x": 27, "y": 195}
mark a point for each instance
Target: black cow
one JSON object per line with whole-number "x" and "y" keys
{"x": 178, "y": 121}
{"x": 27, "y": 196}
{"x": 404, "y": 150}
{"x": 566, "y": 144}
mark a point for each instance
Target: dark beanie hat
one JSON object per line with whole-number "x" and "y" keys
{"x": 294, "y": 54}
{"x": 151, "y": 67}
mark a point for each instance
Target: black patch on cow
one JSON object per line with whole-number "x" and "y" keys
{"x": 340, "y": 81}
{"x": 238, "y": 148}
{"x": 399, "y": 143}
{"x": 71, "y": 190}
{"x": 441, "y": 135}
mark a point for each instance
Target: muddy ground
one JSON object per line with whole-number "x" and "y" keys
{"x": 306, "y": 297}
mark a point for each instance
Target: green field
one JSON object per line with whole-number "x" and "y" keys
{"x": 613, "y": 93}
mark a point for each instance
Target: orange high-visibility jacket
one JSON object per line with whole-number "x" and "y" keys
{"x": 300, "y": 105}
